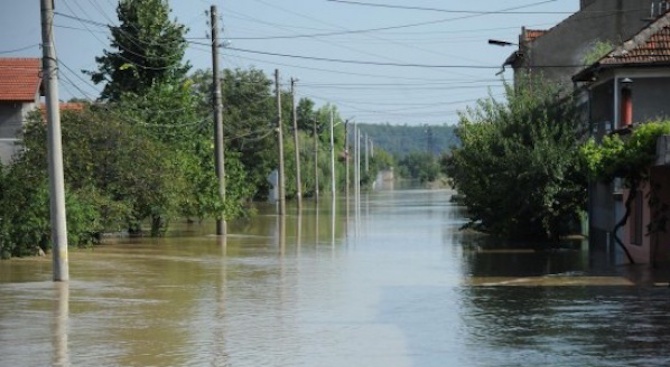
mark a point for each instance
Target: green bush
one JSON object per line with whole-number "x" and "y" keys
{"x": 518, "y": 168}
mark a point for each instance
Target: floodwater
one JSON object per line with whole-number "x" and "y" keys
{"x": 391, "y": 283}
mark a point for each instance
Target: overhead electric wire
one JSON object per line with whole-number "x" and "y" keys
{"x": 456, "y": 11}
{"x": 402, "y": 26}
{"x": 381, "y": 63}
{"x": 19, "y": 49}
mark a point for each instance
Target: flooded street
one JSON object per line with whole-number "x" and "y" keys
{"x": 396, "y": 285}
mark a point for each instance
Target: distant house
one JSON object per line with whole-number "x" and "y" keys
{"x": 20, "y": 83}
{"x": 625, "y": 87}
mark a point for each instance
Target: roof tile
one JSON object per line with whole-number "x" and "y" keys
{"x": 533, "y": 34}
{"x": 19, "y": 79}
{"x": 651, "y": 46}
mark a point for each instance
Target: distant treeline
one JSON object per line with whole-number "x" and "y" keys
{"x": 400, "y": 140}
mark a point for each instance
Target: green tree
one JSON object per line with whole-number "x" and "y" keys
{"x": 147, "y": 48}
{"x": 419, "y": 166}
{"x": 518, "y": 167}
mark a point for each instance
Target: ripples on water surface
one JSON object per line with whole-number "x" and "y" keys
{"x": 397, "y": 285}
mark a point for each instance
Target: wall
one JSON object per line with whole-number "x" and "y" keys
{"x": 660, "y": 242}
{"x": 12, "y": 118}
{"x": 561, "y": 51}
{"x": 651, "y": 98}
{"x": 601, "y": 109}
{"x": 641, "y": 253}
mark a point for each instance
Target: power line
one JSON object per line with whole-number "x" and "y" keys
{"x": 402, "y": 26}
{"x": 381, "y": 63}
{"x": 474, "y": 12}
{"x": 19, "y": 49}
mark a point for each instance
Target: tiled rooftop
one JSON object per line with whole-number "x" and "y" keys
{"x": 655, "y": 49}
{"x": 532, "y": 34}
{"x": 649, "y": 47}
{"x": 19, "y": 79}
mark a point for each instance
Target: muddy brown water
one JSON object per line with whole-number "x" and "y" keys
{"x": 393, "y": 284}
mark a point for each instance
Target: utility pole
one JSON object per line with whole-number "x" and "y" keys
{"x": 332, "y": 154}
{"x": 280, "y": 141}
{"x": 367, "y": 154}
{"x": 316, "y": 163}
{"x": 218, "y": 120}
{"x": 358, "y": 161}
{"x": 298, "y": 181}
{"x": 357, "y": 177}
{"x": 346, "y": 163}
{"x": 61, "y": 270}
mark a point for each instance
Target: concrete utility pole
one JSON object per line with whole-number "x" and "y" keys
{"x": 358, "y": 163}
{"x": 61, "y": 270}
{"x": 218, "y": 120}
{"x": 298, "y": 181}
{"x": 357, "y": 173}
{"x": 346, "y": 163}
{"x": 367, "y": 154}
{"x": 280, "y": 141}
{"x": 316, "y": 163}
{"x": 332, "y": 154}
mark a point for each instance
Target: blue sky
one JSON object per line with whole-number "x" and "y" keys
{"x": 450, "y": 36}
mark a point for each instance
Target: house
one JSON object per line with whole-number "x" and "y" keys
{"x": 20, "y": 86}
{"x": 560, "y": 52}
{"x": 625, "y": 87}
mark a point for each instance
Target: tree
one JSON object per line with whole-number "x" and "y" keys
{"x": 147, "y": 49}
{"x": 419, "y": 166}
{"x": 305, "y": 114}
{"x": 518, "y": 168}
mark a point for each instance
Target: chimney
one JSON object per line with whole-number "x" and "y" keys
{"x": 659, "y": 7}
{"x": 626, "y": 103}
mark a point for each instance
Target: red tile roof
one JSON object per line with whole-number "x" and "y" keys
{"x": 19, "y": 79}
{"x": 532, "y": 34}
{"x": 63, "y": 106}
{"x": 650, "y": 47}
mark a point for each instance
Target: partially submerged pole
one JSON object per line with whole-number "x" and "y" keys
{"x": 61, "y": 270}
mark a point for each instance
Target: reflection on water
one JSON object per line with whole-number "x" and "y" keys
{"x": 403, "y": 287}
{"x": 60, "y": 319}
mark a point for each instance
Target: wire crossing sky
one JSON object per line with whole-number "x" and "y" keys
{"x": 378, "y": 61}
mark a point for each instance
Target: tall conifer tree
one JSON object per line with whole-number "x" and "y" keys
{"x": 147, "y": 49}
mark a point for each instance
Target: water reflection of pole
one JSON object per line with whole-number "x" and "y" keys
{"x": 60, "y": 320}
{"x": 221, "y": 357}
{"x": 298, "y": 234}
{"x": 332, "y": 226}
{"x": 316, "y": 225}
{"x": 281, "y": 235}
